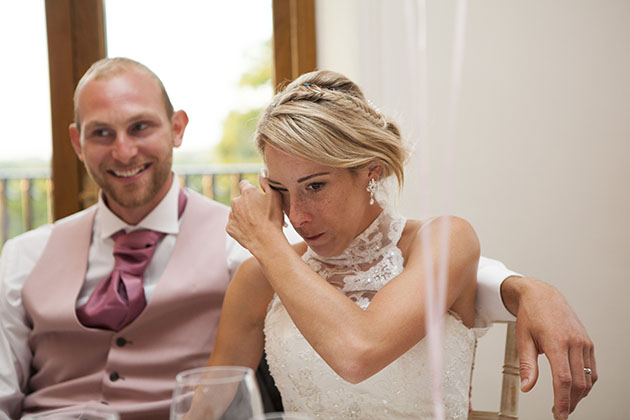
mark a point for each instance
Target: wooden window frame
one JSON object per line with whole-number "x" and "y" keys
{"x": 294, "y": 45}
{"x": 76, "y": 39}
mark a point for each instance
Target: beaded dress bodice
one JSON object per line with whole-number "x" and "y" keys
{"x": 402, "y": 390}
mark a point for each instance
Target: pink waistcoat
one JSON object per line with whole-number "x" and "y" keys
{"x": 133, "y": 370}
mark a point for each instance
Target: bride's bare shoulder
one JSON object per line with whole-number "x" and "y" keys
{"x": 408, "y": 235}
{"x": 455, "y": 224}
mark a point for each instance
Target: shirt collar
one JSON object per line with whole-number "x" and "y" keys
{"x": 163, "y": 218}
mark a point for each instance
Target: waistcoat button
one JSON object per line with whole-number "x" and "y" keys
{"x": 114, "y": 376}
{"x": 120, "y": 341}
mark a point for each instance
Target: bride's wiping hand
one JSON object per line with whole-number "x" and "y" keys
{"x": 256, "y": 216}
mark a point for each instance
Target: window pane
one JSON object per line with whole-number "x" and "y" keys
{"x": 201, "y": 50}
{"x": 26, "y": 145}
{"x": 24, "y": 83}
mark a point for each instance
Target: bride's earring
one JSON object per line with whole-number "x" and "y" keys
{"x": 371, "y": 188}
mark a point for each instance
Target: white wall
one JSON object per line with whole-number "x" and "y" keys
{"x": 542, "y": 159}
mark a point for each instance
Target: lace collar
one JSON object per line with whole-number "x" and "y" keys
{"x": 370, "y": 245}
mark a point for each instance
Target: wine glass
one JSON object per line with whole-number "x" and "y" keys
{"x": 217, "y": 392}
{"x": 80, "y": 412}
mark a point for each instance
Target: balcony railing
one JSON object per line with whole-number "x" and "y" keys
{"x": 26, "y": 194}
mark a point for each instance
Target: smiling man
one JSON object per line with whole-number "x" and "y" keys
{"x": 108, "y": 305}
{"x": 125, "y": 133}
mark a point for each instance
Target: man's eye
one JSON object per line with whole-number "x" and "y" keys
{"x": 314, "y": 186}
{"x": 140, "y": 126}
{"x": 101, "y": 132}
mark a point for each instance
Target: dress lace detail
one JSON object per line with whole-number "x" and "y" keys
{"x": 369, "y": 262}
{"x": 401, "y": 390}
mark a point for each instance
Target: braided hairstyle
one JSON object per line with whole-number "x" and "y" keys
{"x": 323, "y": 116}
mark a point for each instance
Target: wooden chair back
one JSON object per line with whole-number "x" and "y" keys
{"x": 511, "y": 383}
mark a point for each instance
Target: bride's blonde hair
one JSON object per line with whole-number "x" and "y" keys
{"x": 323, "y": 116}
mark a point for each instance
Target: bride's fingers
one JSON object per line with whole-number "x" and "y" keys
{"x": 263, "y": 180}
{"x": 271, "y": 198}
{"x": 275, "y": 198}
{"x": 244, "y": 185}
{"x": 274, "y": 204}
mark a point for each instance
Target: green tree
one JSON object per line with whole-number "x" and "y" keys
{"x": 237, "y": 144}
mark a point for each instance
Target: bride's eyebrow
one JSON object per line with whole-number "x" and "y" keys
{"x": 304, "y": 178}
{"x": 307, "y": 177}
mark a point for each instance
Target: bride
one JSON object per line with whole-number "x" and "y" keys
{"x": 342, "y": 314}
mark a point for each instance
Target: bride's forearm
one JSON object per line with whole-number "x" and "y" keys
{"x": 334, "y": 325}
{"x": 240, "y": 338}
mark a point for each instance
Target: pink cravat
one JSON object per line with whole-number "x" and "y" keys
{"x": 119, "y": 298}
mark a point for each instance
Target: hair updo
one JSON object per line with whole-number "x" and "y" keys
{"x": 323, "y": 116}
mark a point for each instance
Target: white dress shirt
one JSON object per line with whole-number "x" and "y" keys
{"x": 20, "y": 255}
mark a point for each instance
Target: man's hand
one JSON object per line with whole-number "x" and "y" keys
{"x": 545, "y": 323}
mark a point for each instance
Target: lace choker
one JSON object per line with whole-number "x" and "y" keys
{"x": 370, "y": 261}
{"x": 383, "y": 232}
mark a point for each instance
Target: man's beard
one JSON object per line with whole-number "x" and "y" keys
{"x": 134, "y": 195}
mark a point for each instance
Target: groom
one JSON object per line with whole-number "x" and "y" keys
{"x": 59, "y": 344}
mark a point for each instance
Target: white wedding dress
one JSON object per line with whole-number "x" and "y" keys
{"x": 401, "y": 390}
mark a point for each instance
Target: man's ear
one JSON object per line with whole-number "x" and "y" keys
{"x": 179, "y": 123}
{"x": 75, "y": 139}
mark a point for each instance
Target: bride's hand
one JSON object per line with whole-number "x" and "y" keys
{"x": 256, "y": 216}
